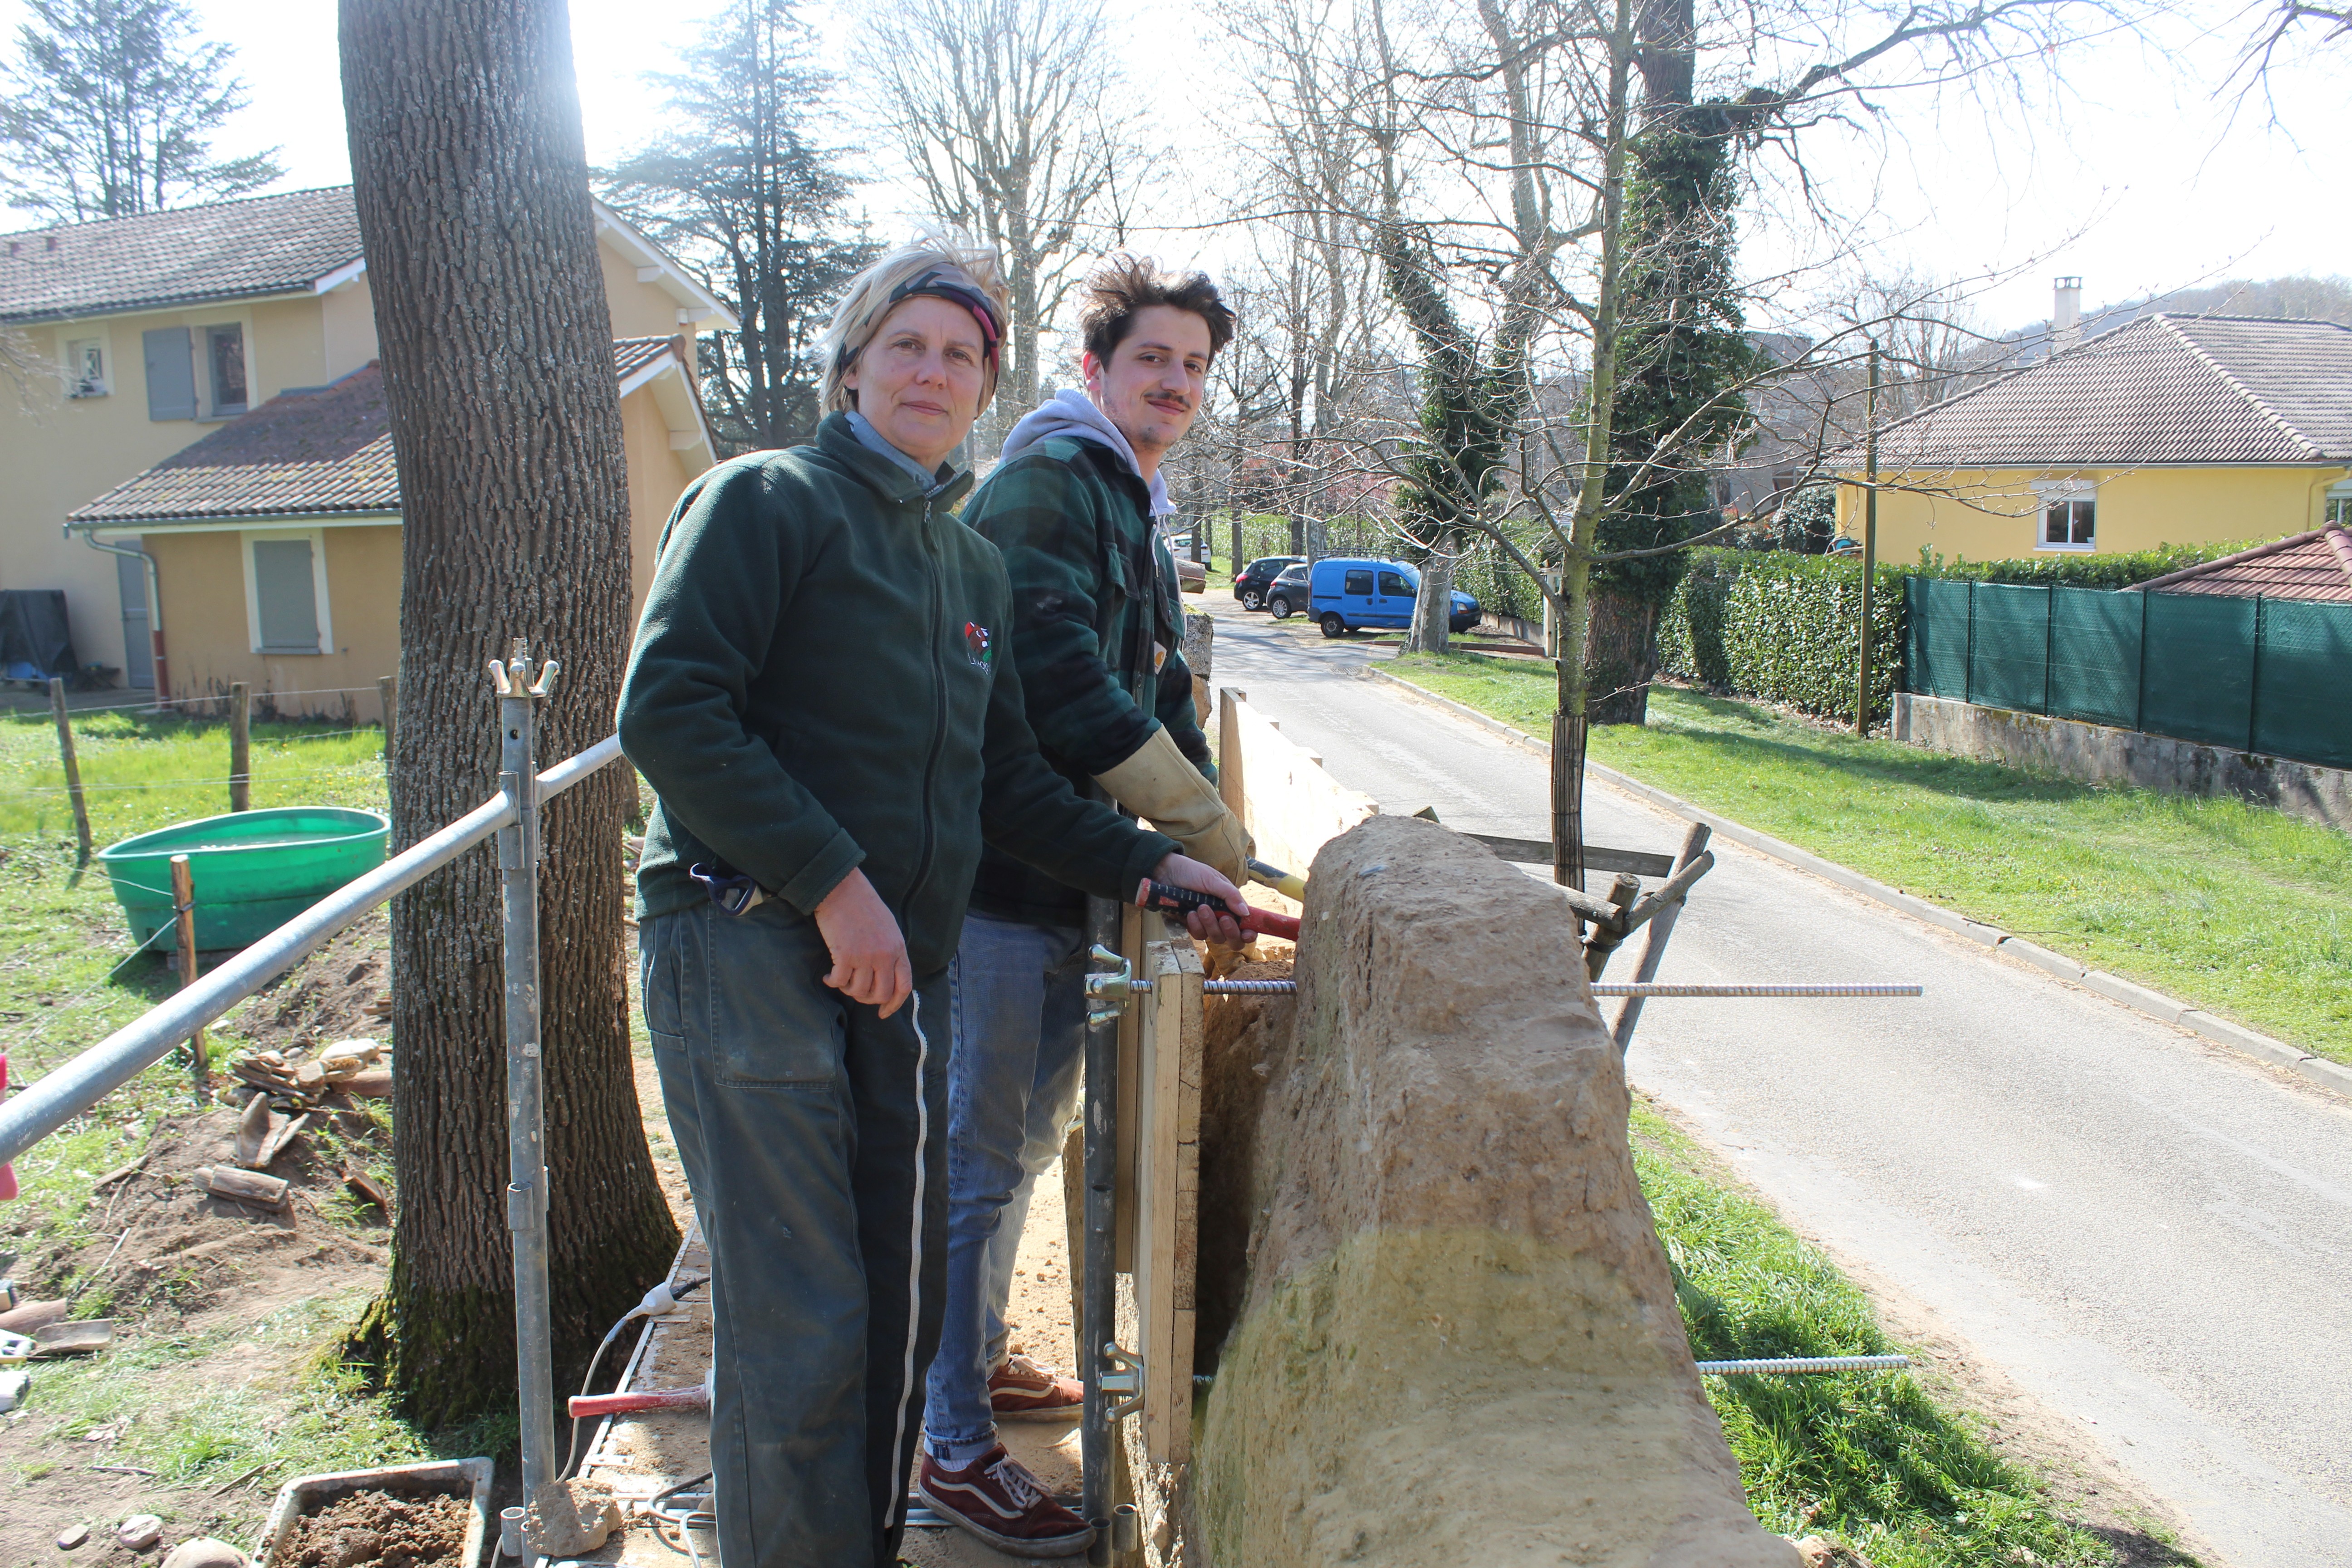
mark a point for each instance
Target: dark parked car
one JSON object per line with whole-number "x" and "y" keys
{"x": 1287, "y": 595}
{"x": 1250, "y": 587}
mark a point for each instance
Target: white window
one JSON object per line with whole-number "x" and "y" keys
{"x": 285, "y": 592}
{"x": 2069, "y": 514}
{"x": 85, "y": 368}
{"x": 224, "y": 369}
{"x": 2340, "y": 504}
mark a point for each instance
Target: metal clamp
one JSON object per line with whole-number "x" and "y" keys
{"x": 1111, "y": 989}
{"x": 1121, "y": 1381}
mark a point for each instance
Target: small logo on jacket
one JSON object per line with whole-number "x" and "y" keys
{"x": 976, "y": 644}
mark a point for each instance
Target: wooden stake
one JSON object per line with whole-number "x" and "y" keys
{"x": 387, "y": 692}
{"x": 240, "y": 748}
{"x": 183, "y": 901}
{"x": 73, "y": 767}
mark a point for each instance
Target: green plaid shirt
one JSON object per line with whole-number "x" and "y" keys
{"x": 1094, "y": 604}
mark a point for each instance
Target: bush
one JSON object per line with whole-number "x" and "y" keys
{"x": 1781, "y": 625}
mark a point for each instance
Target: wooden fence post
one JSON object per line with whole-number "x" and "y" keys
{"x": 240, "y": 748}
{"x": 72, "y": 766}
{"x": 387, "y": 693}
{"x": 183, "y": 903}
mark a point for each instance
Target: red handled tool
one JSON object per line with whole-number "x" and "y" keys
{"x": 586, "y": 1404}
{"x": 1170, "y": 898}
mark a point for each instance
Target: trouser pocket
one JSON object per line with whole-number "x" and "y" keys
{"x": 745, "y": 996}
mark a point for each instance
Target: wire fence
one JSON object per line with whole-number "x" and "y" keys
{"x": 37, "y": 702}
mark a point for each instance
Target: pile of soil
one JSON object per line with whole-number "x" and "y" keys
{"x": 380, "y": 1530}
{"x": 175, "y": 1248}
{"x": 342, "y": 990}
{"x": 1243, "y": 1037}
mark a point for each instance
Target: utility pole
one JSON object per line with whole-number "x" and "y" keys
{"x": 1869, "y": 540}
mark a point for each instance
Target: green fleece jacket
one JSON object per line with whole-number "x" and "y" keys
{"x": 1096, "y": 633}
{"x": 819, "y": 683}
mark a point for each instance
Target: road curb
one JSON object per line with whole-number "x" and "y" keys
{"x": 2140, "y": 998}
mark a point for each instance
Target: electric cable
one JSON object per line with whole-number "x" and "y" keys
{"x": 685, "y": 1523}
{"x": 658, "y": 1299}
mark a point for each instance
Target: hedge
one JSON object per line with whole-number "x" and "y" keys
{"x": 1780, "y": 627}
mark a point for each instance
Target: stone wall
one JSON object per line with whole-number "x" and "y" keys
{"x": 1456, "y": 1340}
{"x": 2094, "y": 754}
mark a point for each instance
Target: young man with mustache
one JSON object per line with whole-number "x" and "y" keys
{"x": 1096, "y": 625}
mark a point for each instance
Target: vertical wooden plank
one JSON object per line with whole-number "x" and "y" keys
{"x": 72, "y": 767}
{"x": 241, "y": 747}
{"x": 184, "y": 901}
{"x": 1168, "y": 1202}
{"x": 1229, "y": 752}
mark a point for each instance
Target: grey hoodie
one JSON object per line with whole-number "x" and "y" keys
{"x": 1072, "y": 413}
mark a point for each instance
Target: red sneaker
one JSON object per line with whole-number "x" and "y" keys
{"x": 1021, "y": 1390}
{"x": 998, "y": 1500}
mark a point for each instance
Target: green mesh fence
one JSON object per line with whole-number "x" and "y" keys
{"x": 2261, "y": 675}
{"x": 2094, "y": 656}
{"x": 1936, "y": 650}
{"x": 2302, "y": 706}
{"x": 2197, "y": 677}
{"x": 2009, "y": 648}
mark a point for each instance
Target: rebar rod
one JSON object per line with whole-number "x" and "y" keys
{"x": 1769, "y": 1366}
{"x": 74, "y": 1087}
{"x": 1286, "y": 987}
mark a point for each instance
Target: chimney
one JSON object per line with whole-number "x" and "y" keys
{"x": 2066, "y": 315}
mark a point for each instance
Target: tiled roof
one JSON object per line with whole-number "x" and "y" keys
{"x": 229, "y": 250}
{"x": 310, "y": 452}
{"x": 2315, "y": 565}
{"x": 2163, "y": 389}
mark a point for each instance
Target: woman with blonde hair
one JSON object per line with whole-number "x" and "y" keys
{"x": 817, "y": 698}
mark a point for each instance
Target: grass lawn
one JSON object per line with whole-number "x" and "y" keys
{"x": 1873, "y": 1460}
{"x": 2239, "y": 909}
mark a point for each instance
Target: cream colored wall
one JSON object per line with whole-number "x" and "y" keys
{"x": 206, "y": 637}
{"x": 657, "y": 477}
{"x": 56, "y": 452}
{"x": 1995, "y": 514}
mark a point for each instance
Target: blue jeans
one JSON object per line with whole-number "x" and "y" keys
{"x": 810, "y": 1132}
{"x": 1016, "y": 1000}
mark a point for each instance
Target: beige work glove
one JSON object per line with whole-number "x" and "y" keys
{"x": 1161, "y": 785}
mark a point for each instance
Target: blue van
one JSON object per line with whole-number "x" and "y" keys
{"x": 1348, "y": 593}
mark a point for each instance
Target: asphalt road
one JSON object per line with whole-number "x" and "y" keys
{"x": 2149, "y": 1234}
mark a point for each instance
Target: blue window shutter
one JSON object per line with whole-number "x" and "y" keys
{"x": 286, "y": 596}
{"x": 171, "y": 374}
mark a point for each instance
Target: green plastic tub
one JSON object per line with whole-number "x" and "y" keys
{"x": 252, "y": 870}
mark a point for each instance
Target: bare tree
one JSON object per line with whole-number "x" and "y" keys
{"x": 472, "y": 188}
{"x": 1005, "y": 111}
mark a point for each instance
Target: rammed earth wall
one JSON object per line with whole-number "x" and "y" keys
{"x": 1456, "y": 1340}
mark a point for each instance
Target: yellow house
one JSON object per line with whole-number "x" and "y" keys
{"x": 160, "y": 332}
{"x": 2171, "y": 430}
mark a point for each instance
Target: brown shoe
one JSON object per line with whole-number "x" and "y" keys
{"x": 998, "y": 1500}
{"x": 1021, "y": 1390}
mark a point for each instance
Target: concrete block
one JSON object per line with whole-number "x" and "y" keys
{"x": 1977, "y": 931}
{"x": 2333, "y": 1075}
{"x": 2042, "y": 957}
{"x": 1458, "y": 1341}
{"x": 2240, "y": 1038}
{"x": 2154, "y": 1004}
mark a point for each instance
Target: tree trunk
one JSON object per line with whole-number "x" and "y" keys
{"x": 497, "y": 346}
{"x": 1622, "y": 658}
{"x": 1432, "y": 607}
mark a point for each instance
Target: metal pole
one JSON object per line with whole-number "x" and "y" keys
{"x": 184, "y": 907}
{"x": 241, "y": 747}
{"x": 1869, "y": 541}
{"x": 1098, "y": 1317}
{"x": 72, "y": 766}
{"x": 65, "y": 1093}
{"x": 519, "y": 852}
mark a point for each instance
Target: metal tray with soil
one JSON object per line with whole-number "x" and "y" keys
{"x": 395, "y": 1516}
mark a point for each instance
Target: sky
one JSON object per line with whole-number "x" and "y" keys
{"x": 2135, "y": 172}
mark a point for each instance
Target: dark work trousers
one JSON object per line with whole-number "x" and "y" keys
{"x": 814, "y": 1135}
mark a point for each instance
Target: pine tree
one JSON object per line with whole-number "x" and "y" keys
{"x": 740, "y": 188}
{"x": 110, "y": 111}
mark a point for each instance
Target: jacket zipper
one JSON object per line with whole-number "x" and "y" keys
{"x": 939, "y": 715}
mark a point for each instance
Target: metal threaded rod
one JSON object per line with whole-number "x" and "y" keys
{"x": 1284, "y": 987}
{"x": 1804, "y": 1363}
